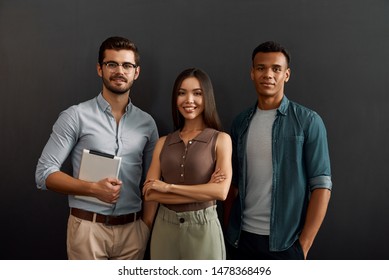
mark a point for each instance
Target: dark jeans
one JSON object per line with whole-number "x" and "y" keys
{"x": 256, "y": 247}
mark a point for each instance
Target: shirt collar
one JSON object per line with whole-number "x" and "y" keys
{"x": 283, "y": 106}
{"x": 205, "y": 136}
{"x": 105, "y": 106}
{"x": 282, "y": 109}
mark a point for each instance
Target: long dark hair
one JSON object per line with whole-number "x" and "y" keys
{"x": 210, "y": 115}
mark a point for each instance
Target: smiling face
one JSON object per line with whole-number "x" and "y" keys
{"x": 118, "y": 81}
{"x": 269, "y": 73}
{"x": 190, "y": 101}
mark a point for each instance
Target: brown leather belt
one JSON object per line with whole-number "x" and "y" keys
{"x": 107, "y": 220}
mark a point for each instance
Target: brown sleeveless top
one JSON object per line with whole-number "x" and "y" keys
{"x": 189, "y": 165}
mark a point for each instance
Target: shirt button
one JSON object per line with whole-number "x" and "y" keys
{"x": 190, "y": 142}
{"x": 182, "y": 175}
{"x": 182, "y": 220}
{"x": 182, "y": 165}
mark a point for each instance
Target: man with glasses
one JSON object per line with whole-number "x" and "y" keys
{"x": 110, "y": 124}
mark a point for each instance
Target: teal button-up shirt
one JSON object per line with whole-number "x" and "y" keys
{"x": 301, "y": 164}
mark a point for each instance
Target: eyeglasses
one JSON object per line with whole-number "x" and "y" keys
{"x": 113, "y": 66}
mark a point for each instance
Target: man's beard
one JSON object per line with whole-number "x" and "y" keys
{"x": 114, "y": 89}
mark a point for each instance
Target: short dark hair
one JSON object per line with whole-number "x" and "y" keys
{"x": 271, "y": 46}
{"x": 118, "y": 43}
{"x": 211, "y": 116}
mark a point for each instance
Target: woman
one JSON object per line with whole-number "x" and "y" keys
{"x": 190, "y": 170}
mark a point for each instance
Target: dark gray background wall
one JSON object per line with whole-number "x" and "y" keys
{"x": 340, "y": 57}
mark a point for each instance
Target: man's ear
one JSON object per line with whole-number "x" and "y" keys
{"x": 252, "y": 73}
{"x": 99, "y": 70}
{"x": 137, "y": 73}
{"x": 287, "y": 74}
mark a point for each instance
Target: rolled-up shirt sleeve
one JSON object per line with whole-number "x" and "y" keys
{"x": 317, "y": 155}
{"x": 61, "y": 142}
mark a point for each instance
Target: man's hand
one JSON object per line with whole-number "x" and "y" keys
{"x": 108, "y": 190}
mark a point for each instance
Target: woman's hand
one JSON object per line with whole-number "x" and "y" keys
{"x": 217, "y": 176}
{"x": 157, "y": 185}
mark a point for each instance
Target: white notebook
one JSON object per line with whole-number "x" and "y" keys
{"x": 96, "y": 166}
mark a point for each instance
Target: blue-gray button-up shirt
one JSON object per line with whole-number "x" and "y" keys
{"x": 301, "y": 164}
{"x": 91, "y": 125}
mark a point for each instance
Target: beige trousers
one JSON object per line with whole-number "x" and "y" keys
{"x": 192, "y": 235}
{"x": 88, "y": 240}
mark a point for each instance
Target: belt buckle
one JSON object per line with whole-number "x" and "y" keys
{"x": 107, "y": 220}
